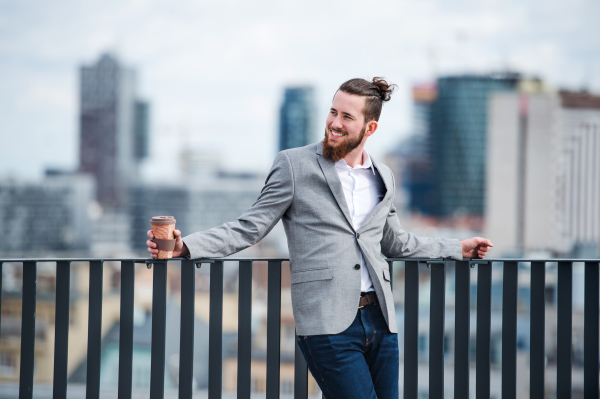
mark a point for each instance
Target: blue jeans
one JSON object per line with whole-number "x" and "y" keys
{"x": 362, "y": 362}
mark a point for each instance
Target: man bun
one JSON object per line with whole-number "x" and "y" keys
{"x": 384, "y": 88}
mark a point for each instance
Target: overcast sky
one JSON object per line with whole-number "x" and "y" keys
{"x": 214, "y": 71}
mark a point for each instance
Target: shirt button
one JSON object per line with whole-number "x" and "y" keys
{"x": 356, "y": 267}
{"x": 357, "y": 236}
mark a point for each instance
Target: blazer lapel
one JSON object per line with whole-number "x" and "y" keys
{"x": 387, "y": 181}
{"x": 335, "y": 185}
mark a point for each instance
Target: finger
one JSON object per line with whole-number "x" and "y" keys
{"x": 151, "y": 244}
{"x": 153, "y": 251}
{"x": 177, "y": 233}
{"x": 150, "y": 234}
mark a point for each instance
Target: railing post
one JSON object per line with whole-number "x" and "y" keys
{"x": 300, "y": 374}
{"x": 484, "y": 298}
{"x": 537, "y": 357}
{"x": 244, "y": 330}
{"x": 186, "y": 333}
{"x": 590, "y": 332}
{"x": 462, "y": 328}
{"x": 61, "y": 329}
{"x": 92, "y": 390}
{"x": 564, "y": 330}
{"x": 126, "y": 329}
{"x": 411, "y": 329}
{"x": 273, "y": 328}
{"x": 509, "y": 330}
{"x": 28, "y": 330}
{"x": 215, "y": 332}
{"x": 436, "y": 330}
{"x": 159, "y": 318}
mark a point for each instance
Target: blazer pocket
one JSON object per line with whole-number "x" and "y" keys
{"x": 305, "y": 276}
{"x": 386, "y": 274}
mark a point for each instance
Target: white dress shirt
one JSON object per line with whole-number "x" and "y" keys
{"x": 363, "y": 189}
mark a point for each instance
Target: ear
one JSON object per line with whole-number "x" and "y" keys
{"x": 371, "y": 127}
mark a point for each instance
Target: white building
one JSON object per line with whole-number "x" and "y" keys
{"x": 543, "y": 172}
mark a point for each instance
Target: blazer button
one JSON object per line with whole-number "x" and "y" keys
{"x": 357, "y": 236}
{"x": 356, "y": 267}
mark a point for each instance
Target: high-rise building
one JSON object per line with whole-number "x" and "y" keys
{"x": 297, "y": 118}
{"x": 543, "y": 185}
{"x": 458, "y": 141}
{"x": 113, "y": 128}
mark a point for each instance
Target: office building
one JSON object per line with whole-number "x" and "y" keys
{"x": 113, "y": 128}
{"x": 411, "y": 159}
{"x": 297, "y": 118}
{"x": 543, "y": 185}
{"x": 458, "y": 141}
{"x": 51, "y": 215}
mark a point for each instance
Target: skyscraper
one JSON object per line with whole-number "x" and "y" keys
{"x": 296, "y": 118}
{"x": 458, "y": 140}
{"x": 111, "y": 142}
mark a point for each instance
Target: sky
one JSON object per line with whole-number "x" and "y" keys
{"x": 214, "y": 71}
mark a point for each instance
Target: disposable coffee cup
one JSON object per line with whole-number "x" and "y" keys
{"x": 163, "y": 228}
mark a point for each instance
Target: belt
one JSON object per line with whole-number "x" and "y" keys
{"x": 367, "y": 298}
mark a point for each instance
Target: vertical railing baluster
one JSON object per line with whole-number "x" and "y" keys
{"x": 28, "y": 330}
{"x": 126, "y": 329}
{"x": 537, "y": 353}
{"x": 273, "y": 328}
{"x": 564, "y": 329}
{"x": 1, "y": 265}
{"x": 159, "y": 322}
{"x": 215, "y": 332}
{"x": 411, "y": 329}
{"x": 509, "y": 330}
{"x": 61, "y": 329}
{"x": 484, "y": 298}
{"x": 186, "y": 332}
{"x": 300, "y": 374}
{"x": 462, "y": 328}
{"x": 436, "y": 330}
{"x": 244, "y": 330}
{"x": 92, "y": 389}
{"x": 590, "y": 332}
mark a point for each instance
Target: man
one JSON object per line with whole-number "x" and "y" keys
{"x": 337, "y": 208}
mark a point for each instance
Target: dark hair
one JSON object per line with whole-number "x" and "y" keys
{"x": 376, "y": 92}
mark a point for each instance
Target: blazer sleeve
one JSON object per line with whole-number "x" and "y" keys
{"x": 255, "y": 223}
{"x": 398, "y": 243}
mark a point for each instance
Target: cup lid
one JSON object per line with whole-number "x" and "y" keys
{"x": 162, "y": 220}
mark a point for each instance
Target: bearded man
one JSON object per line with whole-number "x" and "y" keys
{"x": 336, "y": 203}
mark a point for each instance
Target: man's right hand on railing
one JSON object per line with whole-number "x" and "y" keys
{"x": 180, "y": 248}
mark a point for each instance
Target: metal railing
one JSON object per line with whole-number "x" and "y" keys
{"x": 411, "y": 321}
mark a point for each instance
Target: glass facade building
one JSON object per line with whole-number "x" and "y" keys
{"x": 458, "y": 141}
{"x": 297, "y": 118}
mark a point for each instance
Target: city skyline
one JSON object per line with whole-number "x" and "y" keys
{"x": 222, "y": 82}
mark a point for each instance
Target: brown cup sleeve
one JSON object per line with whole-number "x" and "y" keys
{"x": 164, "y": 245}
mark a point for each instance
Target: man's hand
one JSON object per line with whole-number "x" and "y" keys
{"x": 475, "y": 247}
{"x": 179, "y": 251}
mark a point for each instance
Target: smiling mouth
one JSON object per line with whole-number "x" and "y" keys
{"x": 336, "y": 134}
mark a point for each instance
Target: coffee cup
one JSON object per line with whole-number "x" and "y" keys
{"x": 163, "y": 228}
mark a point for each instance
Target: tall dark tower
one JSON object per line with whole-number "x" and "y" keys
{"x": 296, "y": 118}
{"x": 459, "y": 139}
{"x": 113, "y": 129}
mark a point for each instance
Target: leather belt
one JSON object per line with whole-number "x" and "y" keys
{"x": 366, "y": 299}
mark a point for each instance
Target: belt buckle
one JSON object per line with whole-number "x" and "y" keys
{"x": 360, "y": 307}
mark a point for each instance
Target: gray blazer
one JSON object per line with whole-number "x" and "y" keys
{"x": 303, "y": 189}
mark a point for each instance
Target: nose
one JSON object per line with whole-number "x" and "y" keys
{"x": 337, "y": 123}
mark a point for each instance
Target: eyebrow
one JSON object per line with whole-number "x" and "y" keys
{"x": 343, "y": 113}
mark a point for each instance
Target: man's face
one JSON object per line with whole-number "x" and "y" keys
{"x": 345, "y": 126}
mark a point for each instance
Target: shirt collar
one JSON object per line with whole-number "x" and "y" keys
{"x": 367, "y": 163}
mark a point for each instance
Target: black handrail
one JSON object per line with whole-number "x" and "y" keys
{"x": 438, "y": 269}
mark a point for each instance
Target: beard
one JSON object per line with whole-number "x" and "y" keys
{"x": 344, "y": 148}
